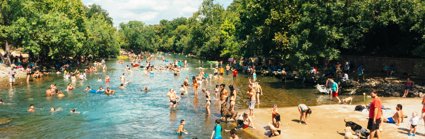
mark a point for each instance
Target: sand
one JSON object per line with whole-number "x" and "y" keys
{"x": 327, "y": 121}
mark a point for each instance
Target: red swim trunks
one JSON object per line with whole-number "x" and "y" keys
{"x": 334, "y": 94}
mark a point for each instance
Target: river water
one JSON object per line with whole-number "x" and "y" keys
{"x": 130, "y": 113}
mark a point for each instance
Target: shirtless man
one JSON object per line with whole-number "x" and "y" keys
{"x": 173, "y": 98}
{"x": 397, "y": 118}
{"x": 108, "y": 91}
{"x": 252, "y": 96}
{"x": 223, "y": 93}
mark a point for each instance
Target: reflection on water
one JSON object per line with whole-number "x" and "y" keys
{"x": 131, "y": 112}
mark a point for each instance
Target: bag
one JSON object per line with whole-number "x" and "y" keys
{"x": 359, "y": 108}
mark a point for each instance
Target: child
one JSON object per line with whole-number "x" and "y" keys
{"x": 414, "y": 122}
{"x": 181, "y": 130}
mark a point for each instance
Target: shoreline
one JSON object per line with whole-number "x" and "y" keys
{"x": 327, "y": 121}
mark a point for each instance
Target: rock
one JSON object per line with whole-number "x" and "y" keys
{"x": 4, "y": 121}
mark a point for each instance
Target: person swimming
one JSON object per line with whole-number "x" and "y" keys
{"x": 31, "y": 108}
{"x": 70, "y": 87}
{"x": 108, "y": 91}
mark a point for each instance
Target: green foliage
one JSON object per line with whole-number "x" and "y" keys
{"x": 57, "y": 29}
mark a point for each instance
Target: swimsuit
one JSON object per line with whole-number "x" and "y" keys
{"x": 173, "y": 101}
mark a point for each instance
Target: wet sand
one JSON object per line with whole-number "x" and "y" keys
{"x": 327, "y": 121}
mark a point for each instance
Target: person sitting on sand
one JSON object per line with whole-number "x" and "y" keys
{"x": 304, "y": 110}
{"x": 408, "y": 86}
{"x": 31, "y": 108}
{"x": 69, "y": 87}
{"x": 397, "y": 117}
{"x": 244, "y": 122}
{"x": 180, "y": 129}
{"x": 108, "y": 91}
{"x": 275, "y": 125}
{"x": 233, "y": 134}
{"x": 216, "y": 134}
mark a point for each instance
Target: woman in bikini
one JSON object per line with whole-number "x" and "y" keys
{"x": 232, "y": 98}
{"x": 208, "y": 100}
{"x": 195, "y": 85}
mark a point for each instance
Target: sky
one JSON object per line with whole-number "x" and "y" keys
{"x": 149, "y": 11}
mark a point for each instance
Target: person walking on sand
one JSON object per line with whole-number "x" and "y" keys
{"x": 375, "y": 113}
{"x": 304, "y": 110}
{"x": 413, "y": 123}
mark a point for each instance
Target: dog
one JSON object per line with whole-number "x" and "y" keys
{"x": 347, "y": 100}
{"x": 349, "y": 133}
{"x": 359, "y": 130}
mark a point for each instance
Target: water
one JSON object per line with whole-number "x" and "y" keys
{"x": 130, "y": 113}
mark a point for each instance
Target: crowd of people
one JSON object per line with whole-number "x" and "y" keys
{"x": 225, "y": 95}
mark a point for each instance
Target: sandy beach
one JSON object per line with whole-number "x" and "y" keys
{"x": 327, "y": 121}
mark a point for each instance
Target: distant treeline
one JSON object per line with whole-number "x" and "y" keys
{"x": 300, "y": 33}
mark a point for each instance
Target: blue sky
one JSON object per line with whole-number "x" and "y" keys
{"x": 149, "y": 11}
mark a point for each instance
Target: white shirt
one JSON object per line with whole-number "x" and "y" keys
{"x": 414, "y": 120}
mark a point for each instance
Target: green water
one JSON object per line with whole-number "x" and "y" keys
{"x": 130, "y": 113}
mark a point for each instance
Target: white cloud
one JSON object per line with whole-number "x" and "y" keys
{"x": 149, "y": 11}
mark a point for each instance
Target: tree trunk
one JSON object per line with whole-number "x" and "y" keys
{"x": 7, "y": 58}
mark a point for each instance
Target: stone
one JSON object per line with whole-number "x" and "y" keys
{"x": 4, "y": 121}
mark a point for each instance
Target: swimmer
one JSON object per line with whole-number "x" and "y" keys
{"x": 122, "y": 86}
{"x": 60, "y": 94}
{"x": 108, "y": 91}
{"x": 73, "y": 110}
{"x": 146, "y": 89}
{"x": 52, "y": 109}
{"x": 1, "y": 101}
{"x": 181, "y": 130}
{"x": 99, "y": 79}
{"x": 31, "y": 108}
{"x": 100, "y": 89}
{"x": 122, "y": 78}
{"x": 69, "y": 87}
{"x": 107, "y": 79}
{"x": 87, "y": 88}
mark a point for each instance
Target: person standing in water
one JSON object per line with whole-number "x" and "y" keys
{"x": 252, "y": 96}
{"x": 208, "y": 100}
{"x": 335, "y": 89}
{"x": 173, "y": 98}
{"x": 259, "y": 91}
{"x": 180, "y": 129}
{"x": 216, "y": 134}
{"x": 375, "y": 113}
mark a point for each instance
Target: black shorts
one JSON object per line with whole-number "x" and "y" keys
{"x": 373, "y": 126}
{"x": 173, "y": 101}
{"x": 413, "y": 126}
